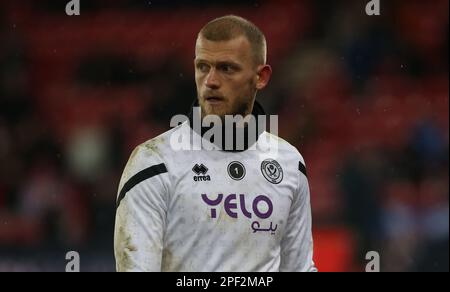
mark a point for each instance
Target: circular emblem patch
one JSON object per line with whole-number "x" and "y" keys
{"x": 236, "y": 170}
{"x": 272, "y": 171}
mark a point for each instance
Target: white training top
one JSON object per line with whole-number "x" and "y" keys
{"x": 213, "y": 211}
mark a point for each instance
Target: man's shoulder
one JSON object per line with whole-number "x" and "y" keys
{"x": 284, "y": 147}
{"x": 157, "y": 147}
{"x": 147, "y": 160}
{"x": 154, "y": 151}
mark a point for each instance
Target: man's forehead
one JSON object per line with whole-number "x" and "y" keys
{"x": 237, "y": 48}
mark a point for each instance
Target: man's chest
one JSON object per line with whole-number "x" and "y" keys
{"x": 232, "y": 194}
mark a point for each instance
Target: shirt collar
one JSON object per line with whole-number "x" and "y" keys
{"x": 257, "y": 111}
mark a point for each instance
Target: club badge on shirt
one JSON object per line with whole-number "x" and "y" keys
{"x": 272, "y": 171}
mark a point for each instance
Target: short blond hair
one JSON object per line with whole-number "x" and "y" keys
{"x": 229, "y": 27}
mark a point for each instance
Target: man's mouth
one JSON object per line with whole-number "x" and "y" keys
{"x": 214, "y": 99}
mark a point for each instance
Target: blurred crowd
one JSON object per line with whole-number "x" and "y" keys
{"x": 364, "y": 99}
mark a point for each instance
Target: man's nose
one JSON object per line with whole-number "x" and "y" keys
{"x": 212, "y": 80}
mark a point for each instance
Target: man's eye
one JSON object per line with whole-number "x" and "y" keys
{"x": 203, "y": 67}
{"x": 226, "y": 68}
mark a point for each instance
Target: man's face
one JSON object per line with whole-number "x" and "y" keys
{"x": 226, "y": 76}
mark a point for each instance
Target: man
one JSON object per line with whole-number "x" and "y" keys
{"x": 238, "y": 210}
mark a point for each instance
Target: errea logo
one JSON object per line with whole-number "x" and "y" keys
{"x": 200, "y": 171}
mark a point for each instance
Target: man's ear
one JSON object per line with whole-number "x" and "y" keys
{"x": 263, "y": 77}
